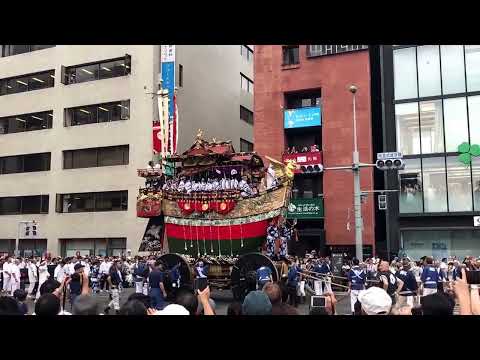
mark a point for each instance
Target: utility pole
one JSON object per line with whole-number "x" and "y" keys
{"x": 357, "y": 192}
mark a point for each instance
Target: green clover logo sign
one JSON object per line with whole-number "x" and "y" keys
{"x": 467, "y": 151}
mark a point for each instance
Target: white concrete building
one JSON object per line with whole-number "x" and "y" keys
{"x": 55, "y": 100}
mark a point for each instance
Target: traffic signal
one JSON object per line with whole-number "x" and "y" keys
{"x": 382, "y": 202}
{"x": 311, "y": 169}
{"x": 390, "y": 164}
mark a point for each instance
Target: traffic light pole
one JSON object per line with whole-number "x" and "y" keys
{"x": 357, "y": 192}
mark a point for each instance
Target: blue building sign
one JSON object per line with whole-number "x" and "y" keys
{"x": 302, "y": 117}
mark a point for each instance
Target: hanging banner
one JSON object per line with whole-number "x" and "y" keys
{"x": 160, "y": 128}
{"x": 168, "y": 75}
{"x": 302, "y": 117}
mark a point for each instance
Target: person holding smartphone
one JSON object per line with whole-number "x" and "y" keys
{"x": 201, "y": 275}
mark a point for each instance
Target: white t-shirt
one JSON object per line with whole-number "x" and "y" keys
{"x": 59, "y": 273}
{"x": 5, "y": 269}
{"x": 14, "y": 269}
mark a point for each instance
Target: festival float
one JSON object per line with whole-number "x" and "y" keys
{"x": 214, "y": 204}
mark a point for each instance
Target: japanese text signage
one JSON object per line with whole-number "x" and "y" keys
{"x": 168, "y": 75}
{"x": 305, "y": 208}
{"x": 323, "y": 50}
{"x": 302, "y": 117}
{"x": 389, "y": 155}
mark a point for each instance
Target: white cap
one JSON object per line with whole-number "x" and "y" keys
{"x": 375, "y": 300}
{"x": 173, "y": 309}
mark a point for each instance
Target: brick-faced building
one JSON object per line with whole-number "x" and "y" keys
{"x": 312, "y": 81}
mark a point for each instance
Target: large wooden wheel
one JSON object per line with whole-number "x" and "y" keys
{"x": 170, "y": 260}
{"x": 243, "y": 275}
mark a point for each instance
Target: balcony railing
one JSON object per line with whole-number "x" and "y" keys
{"x": 310, "y": 158}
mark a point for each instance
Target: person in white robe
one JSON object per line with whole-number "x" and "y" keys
{"x": 32, "y": 277}
{"x": 42, "y": 275}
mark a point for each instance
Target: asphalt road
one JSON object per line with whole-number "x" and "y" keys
{"x": 222, "y": 299}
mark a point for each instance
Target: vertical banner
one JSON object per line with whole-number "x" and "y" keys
{"x": 174, "y": 132}
{"x": 160, "y": 127}
{"x": 168, "y": 75}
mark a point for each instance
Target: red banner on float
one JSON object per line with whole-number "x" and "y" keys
{"x": 157, "y": 143}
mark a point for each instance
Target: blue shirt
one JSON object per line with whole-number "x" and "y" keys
{"x": 263, "y": 274}
{"x": 324, "y": 269}
{"x": 356, "y": 276}
{"x": 175, "y": 273}
{"x": 430, "y": 277}
{"x": 409, "y": 282}
{"x": 294, "y": 275}
{"x": 155, "y": 278}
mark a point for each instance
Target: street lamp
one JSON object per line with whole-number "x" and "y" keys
{"x": 356, "y": 183}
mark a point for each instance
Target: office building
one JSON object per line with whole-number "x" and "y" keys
{"x": 302, "y": 99}
{"x": 431, "y": 96}
{"x": 76, "y": 124}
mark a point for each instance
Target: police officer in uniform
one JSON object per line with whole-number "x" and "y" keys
{"x": 356, "y": 282}
{"x": 388, "y": 281}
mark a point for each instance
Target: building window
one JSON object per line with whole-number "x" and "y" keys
{"x": 456, "y": 123}
{"x": 303, "y": 99}
{"x": 408, "y": 131}
{"x": 92, "y": 114}
{"x": 93, "y": 246}
{"x": 290, "y": 55}
{"x": 435, "y": 184}
{"x": 96, "y": 71}
{"x": 411, "y": 192}
{"x": 472, "y": 62}
{"x": 431, "y": 125}
{"x": 246, "y": 115}
{"x": 7, "y": 246}
{"x": 16, "y": 205}
{"x": 405, "y": 73}
{"x": 459, "y": 186}
{"x": 440, "y": 244}
{"x": 307, "y": 187}
{"x": 453, "y": 69}
{"x": 323, "y": 50}
{"x": 246, "y": 53}
{"x": 428, "y": 58}
{"x": 245, "y": 146}
{"x": 26, "y": 122}
{"x": 473, "y": 117}
{"x": 25, "y": 163}
{"x": 96, "y": 157}
{"x": 9, "y": 50}
{"x": 32, "y": 247}
{"x": 92, "y": 202}
{"x": 180, "y": 75}
{"x": 28, "y": 82}
{"x": 476, "y": 183}
{"x": 246, "y": 84}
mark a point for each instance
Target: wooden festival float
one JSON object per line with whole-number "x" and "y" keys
{"x": 215, "y": 205}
